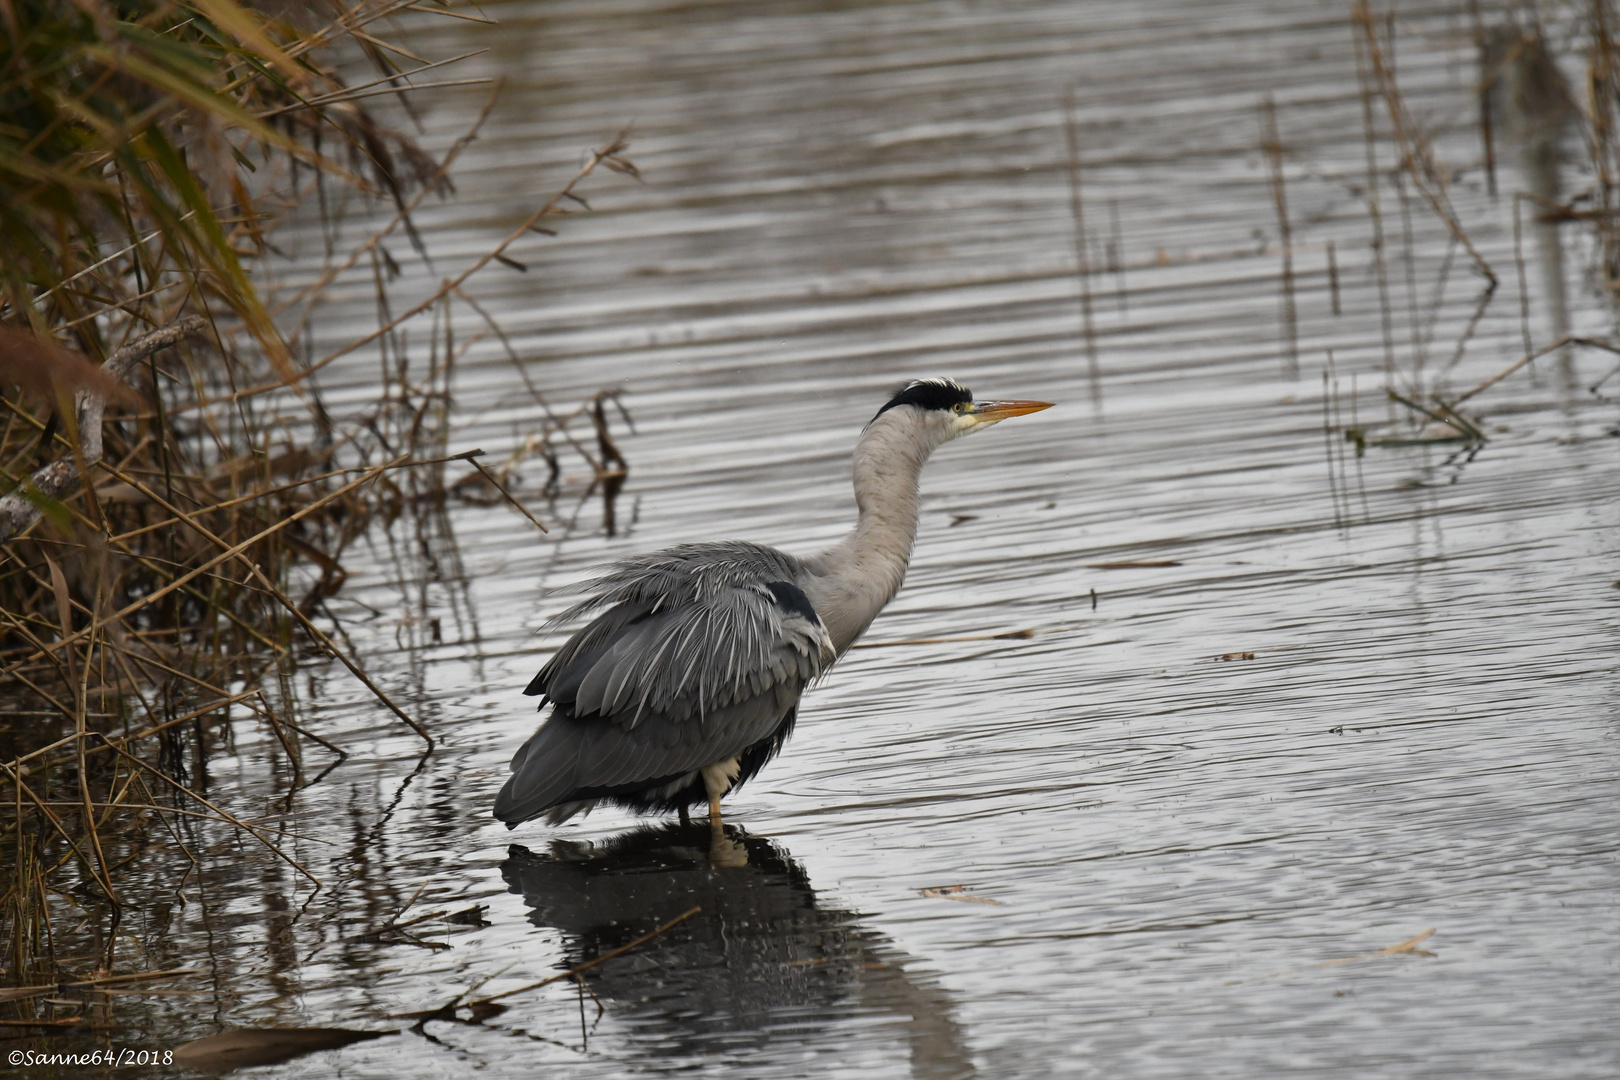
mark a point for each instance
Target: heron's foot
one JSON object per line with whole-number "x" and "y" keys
{"x": 723, "y": 851}
{"x": 726, "y": 852}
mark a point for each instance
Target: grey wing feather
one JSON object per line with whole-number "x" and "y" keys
{"x": 686, "y": 631}
{"x": 567, "y": 760}
{"x": 694, "y": 654}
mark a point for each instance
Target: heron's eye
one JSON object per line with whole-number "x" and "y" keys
{"x": 960, "y": 407}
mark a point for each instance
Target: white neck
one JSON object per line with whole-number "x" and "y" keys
{"x": 852, "y": 581}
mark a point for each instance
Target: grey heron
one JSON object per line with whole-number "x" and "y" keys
{"x": 687, "y": 680}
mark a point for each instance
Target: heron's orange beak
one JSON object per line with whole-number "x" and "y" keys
{"x": 991, "y": 411}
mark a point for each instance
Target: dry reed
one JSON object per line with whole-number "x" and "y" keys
{"x": 177, "y": 500}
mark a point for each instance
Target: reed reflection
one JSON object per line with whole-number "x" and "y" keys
{"x": 764, "y": 967}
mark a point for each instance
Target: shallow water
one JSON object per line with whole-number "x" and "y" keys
{"x": 1170, "y": 847}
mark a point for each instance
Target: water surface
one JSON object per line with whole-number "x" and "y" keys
{"x": 1356, "y": 699}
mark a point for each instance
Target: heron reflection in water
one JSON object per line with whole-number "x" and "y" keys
{"x": 687, "y": 680}
{"x": 763, "y": 969}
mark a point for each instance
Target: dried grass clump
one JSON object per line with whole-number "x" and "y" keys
{"x": 175, "y": 501}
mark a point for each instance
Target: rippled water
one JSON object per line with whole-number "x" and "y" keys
{"x": 1415, "y": 723}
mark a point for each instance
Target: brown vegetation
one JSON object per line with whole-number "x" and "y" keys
{"x": 176, "y": 499}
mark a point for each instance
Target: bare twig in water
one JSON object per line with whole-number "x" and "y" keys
{"x": 1530, "y": 357}
{"x": 1088, "y": 332}
{"x": 957, "y": 892}
{"x": 394, "y": 928}
{"x": 16, "y": 993}
{"x": 447, "y": 1012}
{"x": 1409, "y": 947}
{"x": 1417, "y": 159}
{"x": 259, "y": 834}
{"x": 400, "y": 931}
{"x": 1487, "y": 133}
{"x": 1442, "y": 414}
{"x": 1333, "y": 278}
{"x": 1375, "y": 209}
{"x": 1011, "y": 635}
{"x": 508, "y": 496}
{"x": 604, "y": 958}
{"x": 1524, "y": 280}
{"x": 1327, "y": 441}
{"x": 1271, "y": 144}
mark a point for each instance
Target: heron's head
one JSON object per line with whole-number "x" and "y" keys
{"x": 935, "y": 411}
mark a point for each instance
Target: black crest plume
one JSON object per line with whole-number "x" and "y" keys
{"x": 942, "y": 394}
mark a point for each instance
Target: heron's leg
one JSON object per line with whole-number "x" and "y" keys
{"x": 717, "y": 780}
{"x": 723, "y": 850}
{"x": 686, "y": 818}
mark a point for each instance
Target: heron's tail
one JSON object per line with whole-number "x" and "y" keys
{"x": 543, "y": 773}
